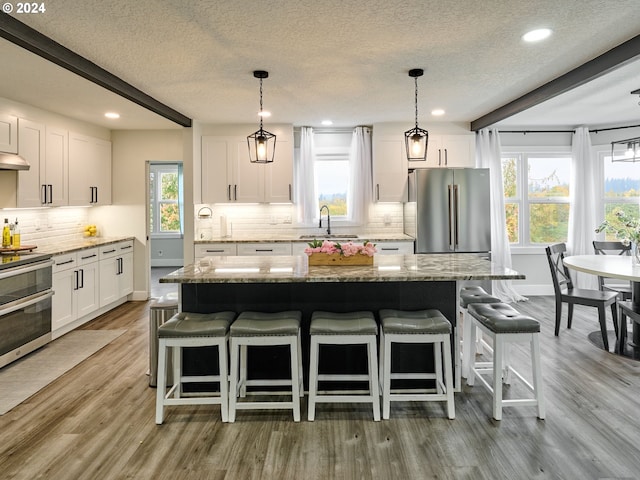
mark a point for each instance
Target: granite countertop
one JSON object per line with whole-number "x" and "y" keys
{"x": 295, "y": 237}
{"x": 386, "y": 268}
{"x": 80, "y": 244}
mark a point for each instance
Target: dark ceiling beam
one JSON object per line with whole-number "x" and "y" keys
{"x": 608, "y": 61}
{"x": 35, "y": 42}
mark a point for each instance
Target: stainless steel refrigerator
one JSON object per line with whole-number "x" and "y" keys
{"x": 449, "y": 210}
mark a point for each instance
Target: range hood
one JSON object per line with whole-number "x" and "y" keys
{"x": 11, "y": 161}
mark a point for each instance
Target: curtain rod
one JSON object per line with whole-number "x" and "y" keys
{"x": 524, "y": 132}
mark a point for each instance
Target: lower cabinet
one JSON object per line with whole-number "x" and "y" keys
{"x": 76, "y": 287}
{"x": 116, "y": 272}
{"x": 86, "y": 282}
{"x": 269, "y": 249}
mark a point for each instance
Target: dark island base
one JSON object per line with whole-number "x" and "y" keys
{"x": 309, "y": 297}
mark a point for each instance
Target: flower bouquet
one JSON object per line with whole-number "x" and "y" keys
{"x": 333, "y": 253}
{"x": 626, "y": 230}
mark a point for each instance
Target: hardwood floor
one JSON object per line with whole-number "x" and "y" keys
{"x": 97, "y": 422}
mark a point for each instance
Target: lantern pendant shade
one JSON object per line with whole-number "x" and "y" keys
{"x": 262, "y": 144}
{"x": 630, "y": 148}
{"x": 416, "y": 139}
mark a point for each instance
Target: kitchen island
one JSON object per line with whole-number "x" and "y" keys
{"x": 272, "y": 284}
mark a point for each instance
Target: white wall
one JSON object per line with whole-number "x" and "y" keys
{"x": 131, "y": 149}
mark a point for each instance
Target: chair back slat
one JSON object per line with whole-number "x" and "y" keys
{"x": 559, "y": 271}
{"x": 611, "y": 248}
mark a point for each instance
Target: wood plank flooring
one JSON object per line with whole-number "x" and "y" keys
{"x": 97, "y": 422}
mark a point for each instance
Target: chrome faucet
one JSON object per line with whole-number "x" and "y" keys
{"x": 328, "y": 219}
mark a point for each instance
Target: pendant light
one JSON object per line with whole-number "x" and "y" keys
{"x": 262, "y": 144}
{"x": 630, "y": 148}
{"x": 416, "y": 139}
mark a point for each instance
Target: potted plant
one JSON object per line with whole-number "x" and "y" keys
{"x": 626, "y": 230}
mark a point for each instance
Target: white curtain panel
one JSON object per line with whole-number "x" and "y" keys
{"x": 488, "y": 155}
{"x": 361, "y": 175}
{"x": 305, "y": 192}
{"x": 583, "y": 210}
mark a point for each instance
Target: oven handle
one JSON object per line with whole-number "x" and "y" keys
{"x": 29, "y": 268}
{"x": 25, "y": 302}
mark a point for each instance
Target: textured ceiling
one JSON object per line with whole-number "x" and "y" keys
{"x": 337, "y": 59}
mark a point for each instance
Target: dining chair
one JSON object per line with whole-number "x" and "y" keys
{"x": 613, "y": 248}
{"x": 566, "y": 293}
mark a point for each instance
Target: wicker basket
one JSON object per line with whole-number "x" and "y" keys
{"x": 339, "y": 260}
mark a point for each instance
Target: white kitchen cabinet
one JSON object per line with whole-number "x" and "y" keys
{"x": 116, "y": 271}
{"x": 268, "y": 249}
{"x": 390, "y": 166}
{"x": 8, "y": 133}
{"x": 451, "y": 151}
{"x": 89, "y": 170}
{"x": 75, "y": 286}
{"x": 229, "y": 177}
{"x": 46, "y": 150}
{"x": 202, "y": 250}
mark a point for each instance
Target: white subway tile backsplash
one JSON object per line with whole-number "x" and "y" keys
{"x": 43, "y": 227}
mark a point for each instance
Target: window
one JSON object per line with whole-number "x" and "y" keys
{"x": 621, "y": 188}
{"x": 332, "y": 171}
{"x": 536, "y": 189}
{"x": 164, "y": 200}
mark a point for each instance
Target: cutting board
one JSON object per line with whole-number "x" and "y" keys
{"x": 21, "y": 248}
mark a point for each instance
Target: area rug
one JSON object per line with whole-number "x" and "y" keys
{"x": 26, "y": 376}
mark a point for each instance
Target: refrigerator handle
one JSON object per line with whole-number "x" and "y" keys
{"x": 449, "y": 203}
{"x": 456, "y": 198}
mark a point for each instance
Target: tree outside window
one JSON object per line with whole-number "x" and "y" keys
{"x": 621, "y": 189}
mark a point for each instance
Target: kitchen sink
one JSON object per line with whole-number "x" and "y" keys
{"x": 328, "y": 236}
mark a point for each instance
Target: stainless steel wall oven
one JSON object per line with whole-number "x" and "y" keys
{"x": 25, "y": 304}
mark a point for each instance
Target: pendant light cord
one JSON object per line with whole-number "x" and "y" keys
{"x": 416, "y": 81}
{"x": 261, "y": 104}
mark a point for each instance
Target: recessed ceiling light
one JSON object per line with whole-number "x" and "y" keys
{"x": 112, "y": 115}
{"x": 326, "y": 123}
{"x": 437, "y": 112}
{"x": 536, "y": 35}
{"x": 264, "y": 113}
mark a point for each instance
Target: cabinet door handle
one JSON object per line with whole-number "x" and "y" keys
{"x": 394, "y": 249}
{"x": 290, "y": 197}
{"x": 109, "y": 251}
{"x": 229, "y": 192}
{"x": 264, "y": 249}
{"x": 50, "y": 193}
{"x": 75, "y": 280}
{"x": 81, "y": 278}
{"x": 439, "y": 157}
{"x": 235, "y": 192}
{"x": 64, "y": 263}
{"x": 215, "y": 251}
{"x": 88, "y": 256}
{"x": 446, "y": 157}
{"x": 43, "y": 194}
{"x": 96, "y": 201}
{"x": 377, "y": 191}
{"x": 126, "y": 247}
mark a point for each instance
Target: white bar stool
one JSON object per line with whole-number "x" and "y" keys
{"x": 469, "y": 295}
{"x": 504, "y": 325}
{"x": 423, "y": 326}
{"x": 266, "y": 329}
{"x": 192, "y": 330}
{"x": 352, "y": 328}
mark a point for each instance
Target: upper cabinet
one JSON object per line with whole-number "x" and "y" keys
{"x": 8, "y": 133}
{"x": 451, "y": 151}
{"x": 46, "y": 150}
{"x": 229, "y": 177}
{"x": 389, "y": 168}
{"x": 89, "y": 170}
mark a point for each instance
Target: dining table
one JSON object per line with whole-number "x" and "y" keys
{"x": 620, "y": 267}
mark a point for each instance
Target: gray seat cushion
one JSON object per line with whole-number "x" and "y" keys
{"x": 251, "y": 324}
{"x": 349, "y": 323}
{"x": 474, "y": 294}
{"x": 414, "y": 322}
{"x": 185, "y": 324}
{"x": 503, "y": 318}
